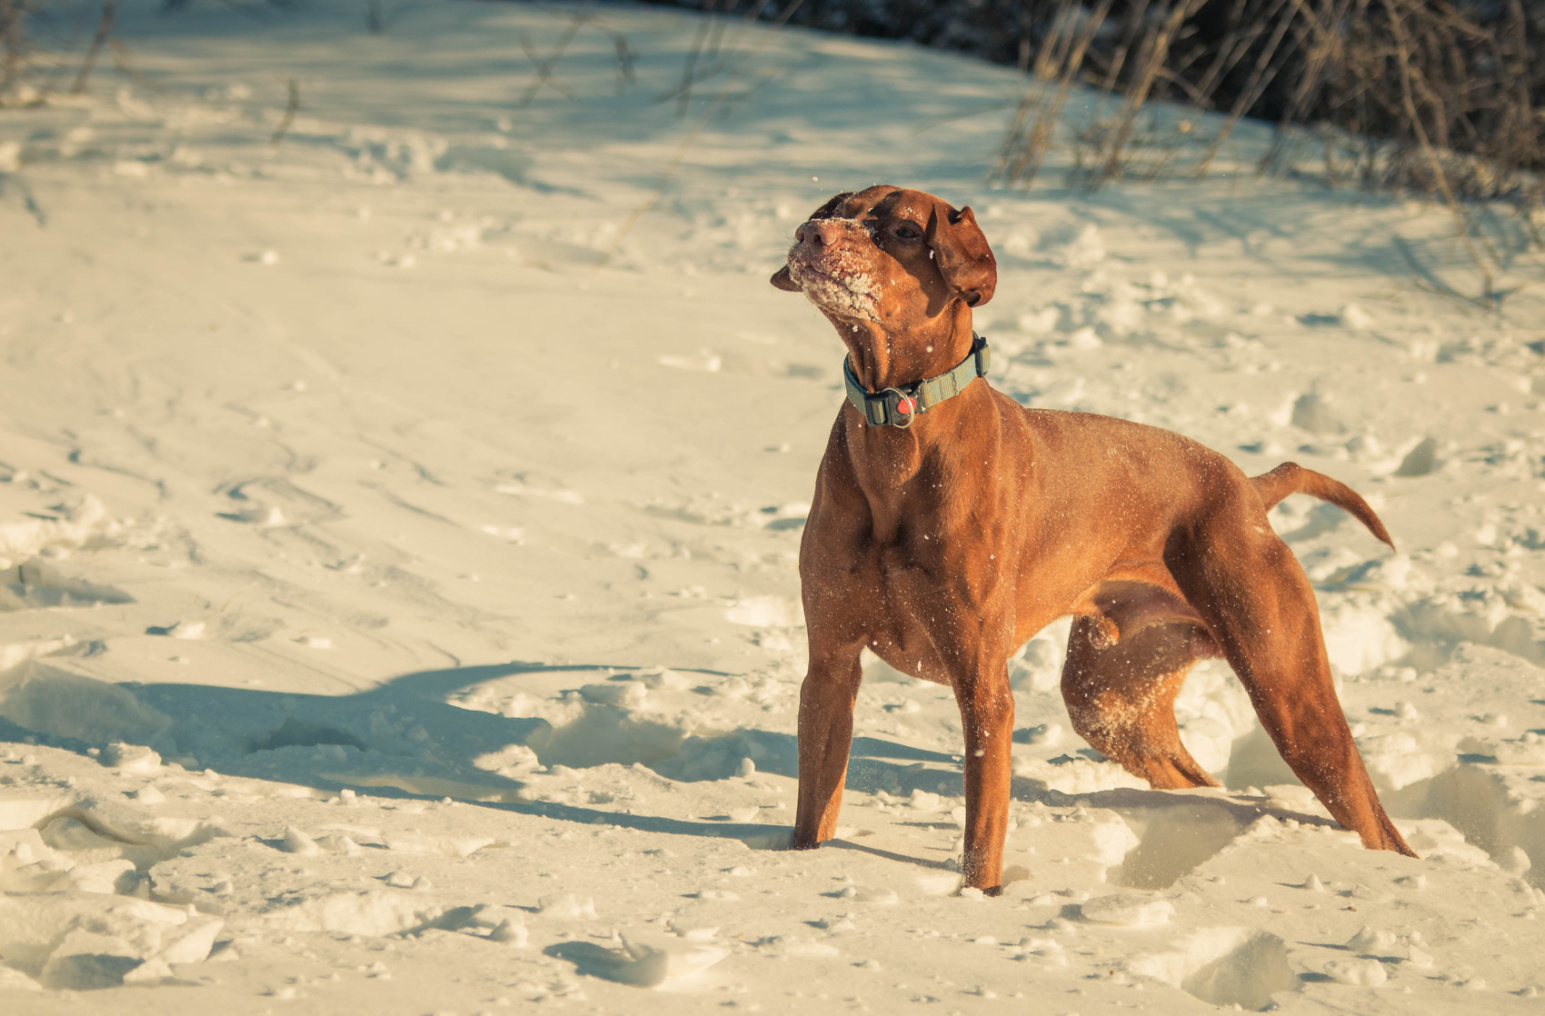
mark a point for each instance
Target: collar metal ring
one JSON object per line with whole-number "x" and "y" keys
{"x": 904, "y": 416}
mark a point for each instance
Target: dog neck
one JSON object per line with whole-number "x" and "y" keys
{"x": 886, "y": 355}
{"x": 886, "y": 459}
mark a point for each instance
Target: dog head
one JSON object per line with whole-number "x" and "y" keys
{"x": 889, "y": 256}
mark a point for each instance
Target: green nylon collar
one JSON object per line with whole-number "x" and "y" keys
{"x": 898, "y": 407}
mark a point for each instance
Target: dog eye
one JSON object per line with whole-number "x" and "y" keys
{"x": 907, "y": 231}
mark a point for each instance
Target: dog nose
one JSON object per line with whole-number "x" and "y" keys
{"x": 820, "y": 232}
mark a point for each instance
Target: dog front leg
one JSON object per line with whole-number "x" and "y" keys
{"x": 825, "y": 737}
{"x": 987, "y": 717}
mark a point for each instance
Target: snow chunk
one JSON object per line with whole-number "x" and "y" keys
{"x": 75, "y": 940}
{"x": 1128, "y": 910}
{"x": 13, "y": 654}
{"x": 371, "y": 912}
{"x": 651, "y": 964}
{"x": 663, "y": 679}
{"x": 1224, "y": 967}
{"x": 624, "y": 694}
{"x": 766, "y": 612}
{"x": 566, "y": 907}
{"x": 1397, "y": 760}
{"x": 1360, "y": 638}
{"x": 1085, "y": 250}
{"x": 71, "y": 528}
{"x": 1367, "y": 940}
{"x": 296, "y": 842}
{"x": 1312, "y": 413}
{"x": 511, "y": 932}
{"x": 1368, "y": 973}
{"x": 19, "y": 811}
{"x": 866, "y": 894}
{"x": 130, "y": 758}
{"x": 1039, "y": 664}
{"x": 1356, "y": 319}
{"x": 69, "y": 705}
{"x": 1421, "y": 460}
{"x": 444, "y": 846}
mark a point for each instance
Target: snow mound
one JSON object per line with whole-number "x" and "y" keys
{"x": 1224, "y": 967}
{"x": 1128, "y": 910}
{"x": 84, "y": 941}
{"x": 374, "y": 912}
{"x": 68, "y": 527}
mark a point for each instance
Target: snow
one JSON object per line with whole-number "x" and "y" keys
{"x": 398, "y": 594}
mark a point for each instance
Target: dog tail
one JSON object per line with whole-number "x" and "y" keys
{"x": 1291, "y": 478}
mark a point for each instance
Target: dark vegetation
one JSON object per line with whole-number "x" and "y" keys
{"x": 1464, "y": 78}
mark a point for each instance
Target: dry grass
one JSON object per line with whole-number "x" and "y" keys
{"x": 1444, "y": 98}
{"x": 37, "y": 38}
{"x": 13, "y": 43}
{"x": 1428, "y": 96}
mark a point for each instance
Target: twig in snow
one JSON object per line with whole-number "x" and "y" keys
{"x": 1155, "y": 51}
{"x": 1402, "y": 54}
{"x": 544, "y": 65}
{"x": 12, "y": 14}
{"x": 1429, "y": 282}
{"x": 1030, "y": 152}
{"x": 290, "y": 108}
{"x": 104, "y": 29}
{"x": 681, "y": 153}
{"x": 1260, "y": 77}
{"x": 626, "y": 58}
{"x": 123, "y": 62}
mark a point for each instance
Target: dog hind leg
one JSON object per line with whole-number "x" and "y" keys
{"x": 1260, "y": 608}
{"x": 1121, "y": 699}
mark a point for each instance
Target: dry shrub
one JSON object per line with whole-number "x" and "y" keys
{"x": 1455, "y": 75}
{"x": 1451, "y": 88}
{"x": 36, "y": 37}
{"x": 13, "y": 43}
{"x": 1441, "y": 97}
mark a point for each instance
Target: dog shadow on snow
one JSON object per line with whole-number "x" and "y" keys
{"x": 404, "y": 738}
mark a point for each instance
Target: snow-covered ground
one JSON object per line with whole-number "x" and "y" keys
{"x": 399, "y": 610}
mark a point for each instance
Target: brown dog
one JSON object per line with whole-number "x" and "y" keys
{"x": 950, "y": 524}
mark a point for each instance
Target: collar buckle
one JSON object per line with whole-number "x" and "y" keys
{"x": 903, "y": 408}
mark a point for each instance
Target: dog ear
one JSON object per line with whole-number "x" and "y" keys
{"x": 782, "y": 280}
{"x": 961, "y": 252}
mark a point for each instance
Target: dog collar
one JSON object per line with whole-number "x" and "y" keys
{"x": 898, "y": 407}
